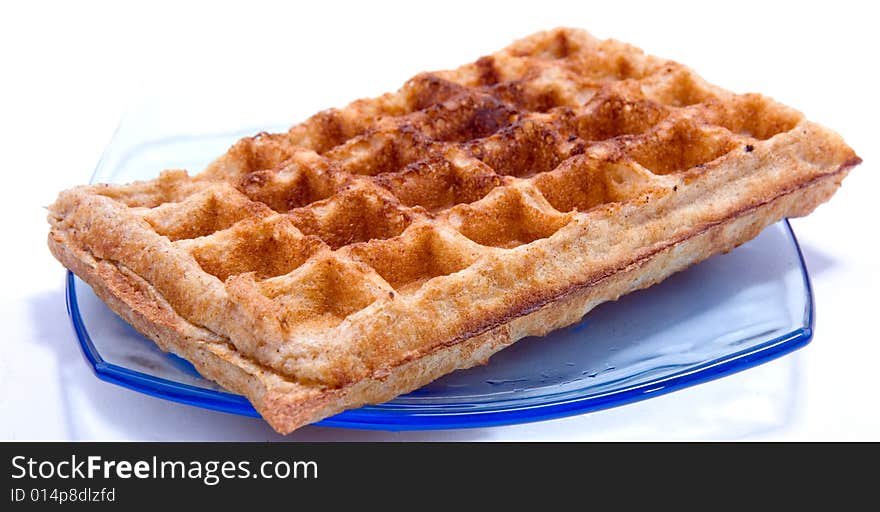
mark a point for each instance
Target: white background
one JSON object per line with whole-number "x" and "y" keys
{"x": 68, "y": 70}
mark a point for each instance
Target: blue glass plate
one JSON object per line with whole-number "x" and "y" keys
{"x": 725, "y": 315}
{"x": 722, "y": 316}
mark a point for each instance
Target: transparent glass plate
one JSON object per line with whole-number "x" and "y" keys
{"x": 722, "y": 316}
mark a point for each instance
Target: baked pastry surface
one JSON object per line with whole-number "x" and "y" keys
{"x": 372, "y": 249}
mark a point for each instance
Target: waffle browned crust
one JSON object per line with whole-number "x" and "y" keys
{"x": 372, "y": 249}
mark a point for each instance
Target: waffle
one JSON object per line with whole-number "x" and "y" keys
{"x": 372, "y": 249}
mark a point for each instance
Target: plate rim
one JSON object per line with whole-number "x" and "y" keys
{"x": 374, "y": 418}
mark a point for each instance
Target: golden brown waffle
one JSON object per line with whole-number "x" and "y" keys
{"x": 370, "y": 250}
